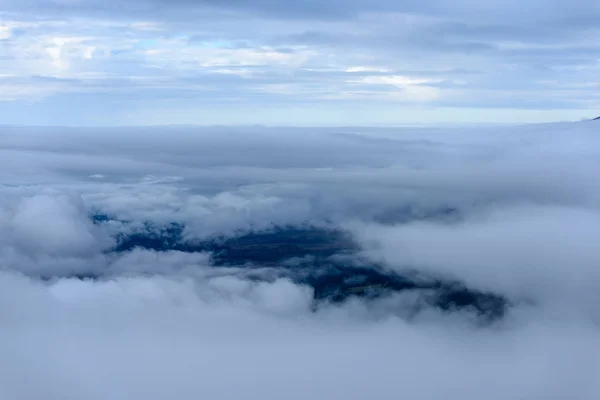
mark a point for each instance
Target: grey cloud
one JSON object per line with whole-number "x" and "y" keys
{"x": 424, "y": 39}
{"x": 169, "y": 341}
{"x": 506, "y": 44}
{"x": 558, "y": 55}
{"x": 160, "y": 324}
{"x": 535, "y": 10}
{"x": 516, "y": 241}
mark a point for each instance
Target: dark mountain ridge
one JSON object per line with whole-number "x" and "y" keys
{"x": 327, "y": 260}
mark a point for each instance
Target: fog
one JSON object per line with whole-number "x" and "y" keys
{"x": 513, "y": 211}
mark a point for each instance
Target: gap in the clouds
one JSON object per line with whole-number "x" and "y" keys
{"x": 327, "y": 260}
{"x": 266, "y": 248}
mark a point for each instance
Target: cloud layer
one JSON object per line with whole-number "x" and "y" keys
{"x": 313, "y": 63}
{"x": 510, "y": 211}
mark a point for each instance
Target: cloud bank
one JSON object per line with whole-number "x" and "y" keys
{"x": 509, "y": 211}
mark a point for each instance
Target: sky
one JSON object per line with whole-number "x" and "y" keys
{"x": 80, "y": 321}
{"x": 276, "y": 62}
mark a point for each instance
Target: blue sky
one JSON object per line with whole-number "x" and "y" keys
{"x": 353, "y": 62}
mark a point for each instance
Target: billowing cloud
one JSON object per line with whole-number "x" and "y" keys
{"x": 132, "y": 263}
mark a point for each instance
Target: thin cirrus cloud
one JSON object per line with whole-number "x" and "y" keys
{"x": 275, "y": 62}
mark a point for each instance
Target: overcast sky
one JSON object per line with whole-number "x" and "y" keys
{"x": 307, "y": 62}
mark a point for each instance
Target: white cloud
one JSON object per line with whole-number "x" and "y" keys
{"x": 168, "y": 324}
{"x": 5, "y": 32}
{"x": 151, "y": 338}
{"x": 366, "y": 69}
{"x": 147, "y": 26}
{"x": 394, "y": 80}
{"x": 532, "y": 252}
{"x": 410, "y": 89}
{"x": 177, "y": 54}
{"x": 38, "y": 219}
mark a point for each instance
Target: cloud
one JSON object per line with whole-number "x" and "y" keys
{"x": 152, "y": 62}
{"x": 153, "y": 338}
{"x": 511, "y": 211}
{"x": 36, "y": 220}
{"x": 535, "y": 253}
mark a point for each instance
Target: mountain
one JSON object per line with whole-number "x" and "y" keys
{"x": 326, "y": 260}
